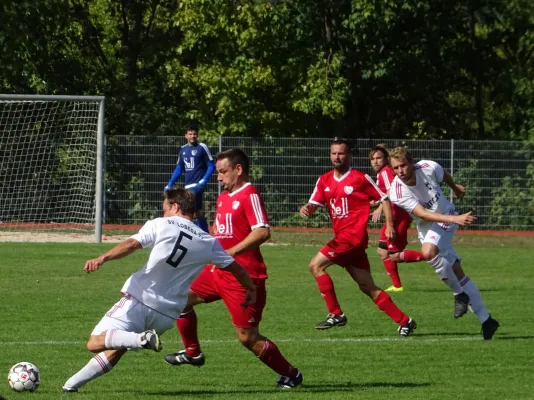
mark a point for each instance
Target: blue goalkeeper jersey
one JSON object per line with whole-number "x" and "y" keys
{"x": 194, "y": 159}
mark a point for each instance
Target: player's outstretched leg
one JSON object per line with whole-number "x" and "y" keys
{"x": 393, "y": 272}
{"x": 269, "y": 354}
{"x": 489, "y": 327}
{"x": 287, "y": 382}
{"x": 100, "y": 364}
{"x": 331, "y": 321}
{"x": 335, "y": 317}
{"x": 365, "y": 281}
{"x": 187, "y": 325}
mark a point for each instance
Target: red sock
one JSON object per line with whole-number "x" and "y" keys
{"x": 326, "y": 287}
{"x": 411, "y": 256}
{"x": 271, "y": 356}
{"x": 187, "y": 326}
{"x": 391, "y": 268}
{"x": 384, "y": 302}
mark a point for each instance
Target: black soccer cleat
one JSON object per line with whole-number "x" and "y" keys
{"x": 182, "y": 358}
{"x": 406, "y": 329}
{"x": 461, "y": 304}
{"x": 286, "y": 382}
{"x": 331, "y": 321}
{"x": 489, "y": 327}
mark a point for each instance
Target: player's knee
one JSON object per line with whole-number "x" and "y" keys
{"x": 247, "y": 338}
{"x": 93, "y": 345}
{"x": 315, "y": 268}
{"x": 383, "y": 254}
{"x": 429, "y": 253}
{"x": 395, "y": 257}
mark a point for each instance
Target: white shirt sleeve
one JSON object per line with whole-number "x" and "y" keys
{"x": 220, "y": 257}
{"x": 402, "y": 197}
{"x": 146, "y": 235}
{"x": 437, "y": 170}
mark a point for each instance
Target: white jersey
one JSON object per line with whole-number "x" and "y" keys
{"x": 427, "y": 192}
{"x": 180, "y": 250}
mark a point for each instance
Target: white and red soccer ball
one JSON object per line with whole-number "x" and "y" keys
{"x": 24, "y": 377}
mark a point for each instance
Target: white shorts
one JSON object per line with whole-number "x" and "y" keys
{"x": 130, "y": 315}
{"x": 441, "y": 238}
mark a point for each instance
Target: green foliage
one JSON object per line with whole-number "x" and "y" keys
{"x": 514, "y": 193}
{"x": 278, "y": 68}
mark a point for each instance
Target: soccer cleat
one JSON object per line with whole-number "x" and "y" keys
{"x": 489, "y": 327}
{"x": 407, "y": 328}
{"x": 331, "y": 321}
{"x": 395, "y": 289}
{"x": 286, "y": 382}
{"x": 182, "y": 357}
{"x": 69, "y": 390}
{"x": 461, "y": 304}
{"x": 150, "y": 340}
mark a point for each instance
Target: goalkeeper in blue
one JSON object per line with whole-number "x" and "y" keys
{"x": 195, "y": 158}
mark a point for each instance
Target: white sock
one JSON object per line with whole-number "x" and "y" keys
{"x": 116, "y": 339}
{"x": 97, "y": 366}
{"x": 444, "y": 269}
{"x": 475, "y": 300}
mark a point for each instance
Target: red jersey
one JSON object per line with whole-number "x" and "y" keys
{"x": 347, "y": 200}
{"x": 383, "y": 181}
{"x": 238, "y": 213}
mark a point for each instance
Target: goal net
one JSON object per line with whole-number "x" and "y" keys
{"x": 48, "y": 167}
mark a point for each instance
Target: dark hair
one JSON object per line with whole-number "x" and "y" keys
{"x": 342, "y": 141}
{"x": 235, "y": 157}
{"x": 184, "y": 198}
{"x": 191, "y": 128}
{"x": 379, "y": 147}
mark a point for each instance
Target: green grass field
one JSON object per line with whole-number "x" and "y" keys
{"x": 49, "y": 307}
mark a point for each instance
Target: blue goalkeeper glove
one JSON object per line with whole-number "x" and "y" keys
{"x": 200, "y": 185}
{"x": 166, "y": 188}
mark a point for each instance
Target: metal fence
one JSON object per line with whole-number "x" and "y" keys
{"x": 499, "y": 176}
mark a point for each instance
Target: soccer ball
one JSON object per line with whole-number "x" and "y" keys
{"x": 24, "y": 376}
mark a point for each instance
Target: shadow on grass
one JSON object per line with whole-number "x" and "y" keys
{"x": 431, "y": 290}
{"x": 438, "y": 334}
{"x": 513, "y": 337}
{"x": 305, "y": 388}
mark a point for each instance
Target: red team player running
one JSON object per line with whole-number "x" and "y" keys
{"x": 241, "y": 226}
{"x": 391, "y": 251}
{"x": 346, "y": 192}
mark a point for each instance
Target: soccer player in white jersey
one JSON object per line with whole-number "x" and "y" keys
{"x": 154, "y": 296}
{"x": 416, "y": 188}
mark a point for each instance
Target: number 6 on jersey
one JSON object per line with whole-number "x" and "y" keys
{"x": 178, "y": 246}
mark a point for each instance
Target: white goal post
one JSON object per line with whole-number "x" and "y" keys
{"x": 51, "y": 165}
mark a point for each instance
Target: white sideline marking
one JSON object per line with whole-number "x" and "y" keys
{"x": 415, "y": 339}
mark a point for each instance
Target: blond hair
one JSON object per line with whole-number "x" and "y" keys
{"x": 401, "y": 153}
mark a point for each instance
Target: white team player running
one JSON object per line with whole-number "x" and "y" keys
{"x": 154, "y": 296}
{"x": 416, "y": 188}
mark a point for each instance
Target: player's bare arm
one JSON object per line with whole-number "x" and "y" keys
{"x": 376, "y": 214}
{"x": 388, "y": 213}
{"x": 243, "y": 278}
{"x": 459, "y": 190}
{"x": 308, "y": 209}
{"x": 119, "y": 251}
{"x": 464, "y": 219}
{"x": 254, "y": 239}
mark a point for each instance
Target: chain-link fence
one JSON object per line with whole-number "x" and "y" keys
{"x": 499, "y": 176}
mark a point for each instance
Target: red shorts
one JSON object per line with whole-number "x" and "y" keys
{"x": 401, "y": 238}
{"x": 346, "y": 255}
{"x": 215, "y": 284}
